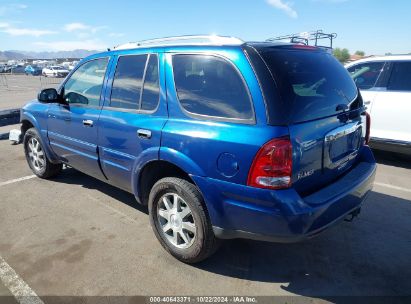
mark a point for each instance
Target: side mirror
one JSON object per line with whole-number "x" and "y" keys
{"x": 49, "y": 96}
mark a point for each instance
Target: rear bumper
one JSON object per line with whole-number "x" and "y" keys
{"x": 238, "y": 211}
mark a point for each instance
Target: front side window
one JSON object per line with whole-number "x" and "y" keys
{"x": 400, "y": 79}
{"x": 85, "y": 84}
{"x": 365, "y": 75}
{"x": 210, "y": 86}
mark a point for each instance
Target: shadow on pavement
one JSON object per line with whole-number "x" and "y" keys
{"x": 72, "y": 176}
{"x": 371, "y": 256}
{"x": 392, "y": 159}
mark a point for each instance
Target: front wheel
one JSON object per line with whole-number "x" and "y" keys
{"x": 37, "y": 158}
{"x": 180, "y": 221}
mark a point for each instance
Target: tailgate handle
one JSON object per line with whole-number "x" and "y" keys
{"x": 341, "y": 131}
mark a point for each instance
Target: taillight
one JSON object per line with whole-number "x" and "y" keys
{"x": 272, "y": 166}
{"x": 367, "y": 127}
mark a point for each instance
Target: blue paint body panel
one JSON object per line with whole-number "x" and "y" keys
{"x": 216, "y": 154}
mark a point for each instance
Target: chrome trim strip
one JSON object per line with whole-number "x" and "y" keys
{"x": 342, "y": 131}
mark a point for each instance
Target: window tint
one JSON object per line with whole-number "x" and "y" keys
{"x": 400, "y": 79}
{"x": 151, "y": 89}
{"x": 84, "y": 85}
{"x": 365, "y": 75}
{"x": 128, "y": 81}
{"x": 311, "y": 83}
{"x": 208, "y": 85}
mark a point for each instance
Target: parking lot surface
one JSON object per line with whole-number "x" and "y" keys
{"x": 75, "y": 235}
{"x": 16, "y": 90}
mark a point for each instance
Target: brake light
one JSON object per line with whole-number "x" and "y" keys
{"x": 367, "y": 127}
{"x": 304, "y": 47}
{"x": 272, "y": 166}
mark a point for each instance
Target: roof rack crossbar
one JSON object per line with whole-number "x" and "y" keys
{"x": 181, "y": 40}
{"x": 304, "y": 38}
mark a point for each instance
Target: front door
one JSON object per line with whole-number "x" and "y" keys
{"x": 72, "y": 128}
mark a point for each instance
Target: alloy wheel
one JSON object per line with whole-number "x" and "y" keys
{"x": 176, "y": 220}
{"x": 36, "y": 154}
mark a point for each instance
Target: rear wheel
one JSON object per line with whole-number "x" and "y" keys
{"x": 180, "y": 221}
{"x": 37, "y": 158}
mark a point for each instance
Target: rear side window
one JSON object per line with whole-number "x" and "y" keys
{"x": 211, "y": 86}
{"x": 365, "y": 75}
{"x": 128, "y": 82}
{"x": 151, "y": 88}
{"x": 312, "y": 84}
{"x": 400, "y": 79}
{"x": 136, "y": 83}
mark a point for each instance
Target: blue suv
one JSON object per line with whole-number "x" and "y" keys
{"x": 220, "y": 138}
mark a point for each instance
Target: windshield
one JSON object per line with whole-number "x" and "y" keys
{"x": 311, "y": 83}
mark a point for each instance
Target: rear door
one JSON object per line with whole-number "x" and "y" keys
{"x": 392, "y": 106}
{"x": 72, "y": 128}
{"x": 324, "y": 112}
{"x": 133, "y": 116}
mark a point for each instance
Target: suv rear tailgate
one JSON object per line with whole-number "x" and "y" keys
{"x": 323, "y": 150}
{"x": 323, "y": 109}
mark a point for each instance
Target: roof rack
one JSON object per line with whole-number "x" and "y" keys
{"x": 306, "y": 37}
{"x": 183, "y": 40}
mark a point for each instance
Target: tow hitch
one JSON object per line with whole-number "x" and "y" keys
{"x": 350, "y": 217}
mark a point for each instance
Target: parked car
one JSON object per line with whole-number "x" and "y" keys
{"x": 33, "y": 70}
{"x": 18, "y": 69}
{"x": 69, "y": 65}
{"x": 220, "y": 138}
{"x": 55, "y": 71}
{"x": 7, "y": 69}
{"x": 385, "y": 84}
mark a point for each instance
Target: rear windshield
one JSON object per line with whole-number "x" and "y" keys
{"x": 312, "y": 84}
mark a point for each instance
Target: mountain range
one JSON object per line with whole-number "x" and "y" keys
{"x": 17, "y": 55}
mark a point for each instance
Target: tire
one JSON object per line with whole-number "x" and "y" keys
{"x": 199, "y": 242}
{"x": 37, "y": 158}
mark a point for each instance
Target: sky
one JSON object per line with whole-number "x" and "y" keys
{"x": 373, "y": 26}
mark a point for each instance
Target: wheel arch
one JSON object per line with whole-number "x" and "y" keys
{"x": 28, "y": 121}
{"x": 152, "y": 172}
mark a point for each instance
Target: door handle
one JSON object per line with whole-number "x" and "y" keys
{"x": 367, "y": 102}
{"x": 144, "y": 133}
{"x": 88, "y": 122}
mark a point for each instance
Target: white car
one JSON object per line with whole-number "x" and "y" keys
{"x": 385, "y": 85}
{"x": 55, "y": 71}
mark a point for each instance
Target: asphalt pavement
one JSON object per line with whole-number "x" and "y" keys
{"x": 75, "y": 235}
